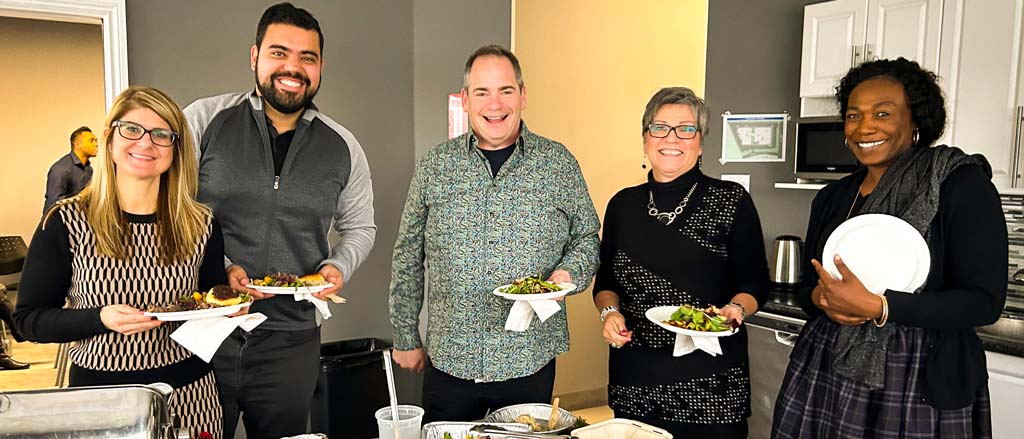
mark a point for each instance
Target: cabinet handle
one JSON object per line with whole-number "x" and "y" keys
{"x": 786, "y": 338}
{"x": 854, "y": 55}
{"x": 1015, "y": 166}
{"x": 868, "y": 53}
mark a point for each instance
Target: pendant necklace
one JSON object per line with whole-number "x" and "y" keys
{"x": 856, "y": 195}
{"x": 666, "y": 218}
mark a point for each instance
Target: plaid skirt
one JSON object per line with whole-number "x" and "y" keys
{"x": 815, "y": 402}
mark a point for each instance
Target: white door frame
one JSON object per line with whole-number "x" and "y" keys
{"x": 109, "y": 14}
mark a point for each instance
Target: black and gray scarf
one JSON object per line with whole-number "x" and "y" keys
{"x": 908, "y": 190}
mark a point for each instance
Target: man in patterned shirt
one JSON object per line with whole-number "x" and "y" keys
{"x": 483, "y": 209}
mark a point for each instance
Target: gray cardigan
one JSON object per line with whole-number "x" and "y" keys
{"x": 281, "y": 223}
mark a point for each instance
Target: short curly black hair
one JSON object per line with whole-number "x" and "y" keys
{"x": 924, "y": 97}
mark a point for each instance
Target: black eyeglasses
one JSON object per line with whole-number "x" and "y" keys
{"x": 684, "y": 132}
{"x": 134, "y": 131}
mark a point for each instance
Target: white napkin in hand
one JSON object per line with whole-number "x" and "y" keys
{"x": 686, "y": 344}
{"x": 204, "y": 336}
{"x": 320, "y": 304}
{"x": 522, "y": 312}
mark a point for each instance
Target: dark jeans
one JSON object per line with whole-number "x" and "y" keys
{"x": 269, "y": 377}
{"x": 447, "y": 398}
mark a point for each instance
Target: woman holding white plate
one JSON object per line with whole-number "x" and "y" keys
{"x": 681, "y": 238}
{"x": 136, "y": 236}
{"x": 904, "y": 361}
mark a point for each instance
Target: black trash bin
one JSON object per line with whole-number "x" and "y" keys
{"x": 351, "y": 387}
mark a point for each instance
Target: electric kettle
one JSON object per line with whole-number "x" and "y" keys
{"x": 786, "y": 267}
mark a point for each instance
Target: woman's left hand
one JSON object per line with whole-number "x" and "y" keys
{"x": 848, "y": 295}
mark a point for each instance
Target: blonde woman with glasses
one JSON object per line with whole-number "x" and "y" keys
{"x": 135, "y": 236}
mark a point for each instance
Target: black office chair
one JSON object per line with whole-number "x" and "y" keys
{"x": 12, "y": 258}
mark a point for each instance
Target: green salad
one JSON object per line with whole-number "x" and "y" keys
{"x": 530, "y": 285}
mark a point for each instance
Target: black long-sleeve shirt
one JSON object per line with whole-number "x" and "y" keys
{"x": 966, "y": 285}
{"x": 713, "y": 250}
{"x": 47, "y": 277}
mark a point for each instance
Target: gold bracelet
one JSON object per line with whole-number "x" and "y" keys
{"x": 885, "y": 313}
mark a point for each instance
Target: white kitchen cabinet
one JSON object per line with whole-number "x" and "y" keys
{"x": 840, "y": 34}
{"x": 1006, "y": 392}
{"x": 983, "y": 81}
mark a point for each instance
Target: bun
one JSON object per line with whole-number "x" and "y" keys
{"x": 312, "y": 279}
{"x": 223, "y": 295}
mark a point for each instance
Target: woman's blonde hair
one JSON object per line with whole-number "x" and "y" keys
{"x": 181, "y": 221}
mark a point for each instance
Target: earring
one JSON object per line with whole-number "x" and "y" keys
{"x": 917, "y": 136}
{"x": 700, "y": 159}
{"x": 643, "y": 163}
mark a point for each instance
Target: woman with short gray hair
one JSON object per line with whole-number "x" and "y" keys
{"x": 682, "y": 238}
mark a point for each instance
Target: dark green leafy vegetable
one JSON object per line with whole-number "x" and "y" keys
{"x": 531, "y": 285}
{"x": 709, "y": 320}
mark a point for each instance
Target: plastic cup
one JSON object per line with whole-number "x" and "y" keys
{"x": 409, "y": 419}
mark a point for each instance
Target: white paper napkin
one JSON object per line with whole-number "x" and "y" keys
{"x": 521, "y": 314}
{"x": 204, "y": 336}
{"x": 320, "y": 304}
{"x": 686, "y": 344}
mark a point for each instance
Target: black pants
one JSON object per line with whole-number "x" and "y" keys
{"x": 447, "y": 398}
{"x": 269, "y": 377}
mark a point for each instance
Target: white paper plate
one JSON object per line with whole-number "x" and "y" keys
{"x": 567, "y": 287}
{"x": 291, "y": 290}
{"x": 883, "y": 251}
{"x": 199, "y": 313}
{"x": 660, "y": 314}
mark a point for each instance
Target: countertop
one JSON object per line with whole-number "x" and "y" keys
{"x": 1006, "y": 336}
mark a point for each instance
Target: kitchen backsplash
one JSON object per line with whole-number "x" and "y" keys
{"x": 1013, "y": 209}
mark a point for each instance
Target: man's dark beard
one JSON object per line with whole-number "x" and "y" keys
{"x": 284, "y": 102}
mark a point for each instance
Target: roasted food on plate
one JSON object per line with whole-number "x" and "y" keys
{"x": 280, "y": 279}
{"x": 218, "y": 296}
{"x": 695, "y": 319}
{"x": 530, "y": 285}
{"x": 528, "y": 420}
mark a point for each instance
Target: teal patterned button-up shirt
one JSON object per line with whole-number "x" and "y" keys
{"x": 475, "y": 232}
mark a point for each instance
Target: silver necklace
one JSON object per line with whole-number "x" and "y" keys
{"x": 666, "y": 218}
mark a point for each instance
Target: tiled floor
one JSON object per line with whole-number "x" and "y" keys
{"x": 595, "y": 414}
{"x": 39, "y": 375}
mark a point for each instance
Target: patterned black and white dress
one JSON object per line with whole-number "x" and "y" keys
{"x": 711, "y": 251}
{"x": 63, "y": 266}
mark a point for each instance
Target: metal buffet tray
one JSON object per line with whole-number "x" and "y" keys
{"x": 459, "y": 430}
{"x": 128, "y": 412}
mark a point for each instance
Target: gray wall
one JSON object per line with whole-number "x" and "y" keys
{"x": 753, "y": 66}
{"x": 446, "y": 32}
{"x": 192, "y": 48}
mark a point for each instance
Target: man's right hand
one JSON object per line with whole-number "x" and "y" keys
{"x": 239, "y": 280}
{"x": 413, "y": 360}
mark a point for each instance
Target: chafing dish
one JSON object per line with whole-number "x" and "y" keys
{"x": 129, "y": 412}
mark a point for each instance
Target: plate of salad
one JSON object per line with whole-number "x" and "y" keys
{"x": 692, "y": 321}
{"x": 534, "y": 288}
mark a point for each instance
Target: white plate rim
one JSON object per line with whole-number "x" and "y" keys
{"x": 669, "y": 309}
{"x": 179, "y": 316}
{"x": 291, "y": 290}
{"x": 923, "y": 265}
{"x": 567, "y": 287}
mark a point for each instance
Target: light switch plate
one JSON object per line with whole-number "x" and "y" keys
{"x": 743, "y": 179}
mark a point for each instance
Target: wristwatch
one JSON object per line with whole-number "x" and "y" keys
{"x": 608, "y": 309}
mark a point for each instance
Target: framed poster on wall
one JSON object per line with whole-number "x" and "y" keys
{"x": 754, "y": 137}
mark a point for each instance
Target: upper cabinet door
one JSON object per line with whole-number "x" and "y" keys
{"x": 907, "y": 28}
{"x": 832, "y": 31}
{"x": 984, "y": 84}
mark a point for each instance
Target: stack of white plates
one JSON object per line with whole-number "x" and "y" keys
{"x": 883, "y": 251}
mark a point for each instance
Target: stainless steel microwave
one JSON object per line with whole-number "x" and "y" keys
{"x": 821, "y": 152}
